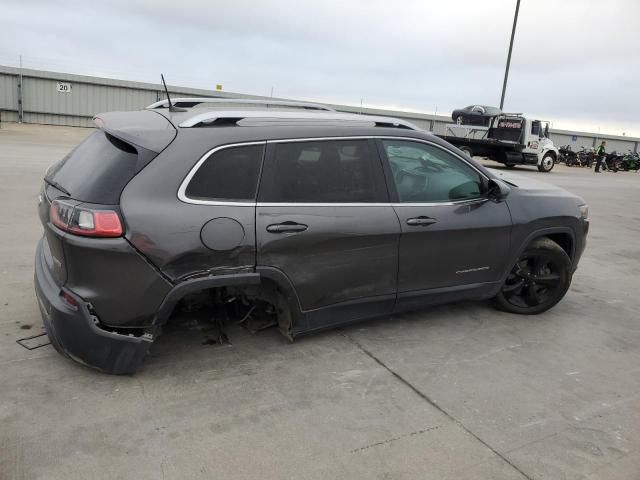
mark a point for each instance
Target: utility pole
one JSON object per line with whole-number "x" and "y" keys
{"x": 506, "y": 71}
{"x": 20, "y": 112}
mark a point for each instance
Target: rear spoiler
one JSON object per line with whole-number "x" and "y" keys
{"x": 145, "y": 129}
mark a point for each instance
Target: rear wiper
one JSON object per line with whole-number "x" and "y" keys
{"x": 55, "y": 184}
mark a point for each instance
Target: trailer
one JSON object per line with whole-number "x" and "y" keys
{"x": 509, "y": 138}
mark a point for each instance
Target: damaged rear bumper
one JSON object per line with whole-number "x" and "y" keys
{"x": 76, "y": 333}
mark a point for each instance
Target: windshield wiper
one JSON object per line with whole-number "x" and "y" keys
{"x": 55, "y": 184}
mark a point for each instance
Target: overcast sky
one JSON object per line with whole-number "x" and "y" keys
{"x": 575, "y": 62}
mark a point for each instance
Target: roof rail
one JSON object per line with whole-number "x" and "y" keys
{"x": 193, "y": 101}
{"x": 266, "y": 117}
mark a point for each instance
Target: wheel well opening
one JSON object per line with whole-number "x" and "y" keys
{"x": 564, "y": 240}
{"x": 255, "y": 307}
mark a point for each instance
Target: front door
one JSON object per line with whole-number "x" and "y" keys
{"x": 453, "y": 237}
{"x": 323, "y": 219}
{"x": 534, "y": 137}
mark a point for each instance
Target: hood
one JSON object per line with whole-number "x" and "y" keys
{"x": 522, "y": 181}
{"x": 533, "y": 187}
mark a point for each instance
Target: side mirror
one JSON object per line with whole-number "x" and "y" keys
{"x": 546, "y": 130}
{"x": 497, "y": 190}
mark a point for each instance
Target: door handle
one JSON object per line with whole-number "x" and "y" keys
{"x": 421, "y": 221}
{"x": 286, "y": 227}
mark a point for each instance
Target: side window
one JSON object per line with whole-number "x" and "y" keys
{"x": 327, "y": 171}
{"x": 425, "y": 173}
{"x": 230, "y": 174}
{"x": 536, "y": 128}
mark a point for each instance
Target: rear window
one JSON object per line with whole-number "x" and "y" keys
{"x": 228, "y": 174}
{"x": 98, "y": 169}
{"x": 508, "y": 129}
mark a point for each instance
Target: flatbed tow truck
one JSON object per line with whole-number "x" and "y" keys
{"x": 509, "y": 138}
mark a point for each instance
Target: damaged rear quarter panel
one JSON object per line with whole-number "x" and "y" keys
{"x": 118, "y": 282}
{"x": 168, "y": 231}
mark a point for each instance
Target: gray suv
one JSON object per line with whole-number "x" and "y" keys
{"x": 290, "y": 211}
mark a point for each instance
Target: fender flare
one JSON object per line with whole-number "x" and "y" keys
{"x": 196, "y": 284}
{"x": 232, "y": 280}
{"x": 537, "y": 234}
{"x": 282, "y": 281}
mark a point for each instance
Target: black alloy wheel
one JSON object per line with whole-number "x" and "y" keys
{"x": 539, "y": 279}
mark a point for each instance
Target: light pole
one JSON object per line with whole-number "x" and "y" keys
{"x": 506, "y": 71}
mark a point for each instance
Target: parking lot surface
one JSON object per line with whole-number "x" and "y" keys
{"x": 455, "y": 392}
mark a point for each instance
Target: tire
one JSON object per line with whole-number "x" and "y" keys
{"x": 467, "y": 151}
{"x": 538, "y": 281}
{"x": 510, "y": 165}
{"x": 547, "y": 163}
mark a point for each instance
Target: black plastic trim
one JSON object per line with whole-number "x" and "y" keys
{"x": 418, "y": 299}
{"x": 542, "y": 233}
{"x": 197, "y": 284}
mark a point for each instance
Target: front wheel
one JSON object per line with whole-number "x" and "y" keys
{"x": 547, "y": 163}
{"x": 539, "y": 279}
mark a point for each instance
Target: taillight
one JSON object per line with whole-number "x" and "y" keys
{"x": 85, "y": 221}
{"x": 69, "y": 300}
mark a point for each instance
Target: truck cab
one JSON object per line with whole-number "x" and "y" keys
{"x": 537, "y": 142}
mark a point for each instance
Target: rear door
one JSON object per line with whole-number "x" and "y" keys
{"x": 452, "y": 235}
{"x": 323, "y": 219}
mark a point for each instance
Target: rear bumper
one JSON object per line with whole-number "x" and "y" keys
{"x": 76, "y": 333}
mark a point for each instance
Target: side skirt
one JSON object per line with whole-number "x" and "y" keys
{"x": 344, "y": 313}
{"x": 417, "y": 299}
{"x": 375, "y": 307}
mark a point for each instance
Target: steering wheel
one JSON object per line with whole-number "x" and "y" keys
{"x": 418, "y": 182}
{"x": 431, "y": 167}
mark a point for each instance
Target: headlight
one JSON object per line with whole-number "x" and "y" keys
{"x": 584, "y": 211}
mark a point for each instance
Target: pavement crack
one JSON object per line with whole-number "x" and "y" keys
{"x": 433, "y": 403}
{"x": 389, "y": 440}
{"x": 162, "y": 467}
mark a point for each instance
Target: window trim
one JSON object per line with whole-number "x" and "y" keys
{"x": 185, "y": 182}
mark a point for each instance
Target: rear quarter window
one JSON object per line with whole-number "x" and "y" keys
{"x": 230, "y": 174}
{"x": 98, "y": 169}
